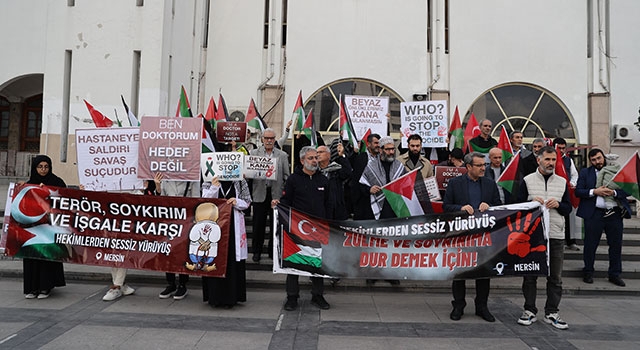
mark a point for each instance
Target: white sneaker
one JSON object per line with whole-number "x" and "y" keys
{"x": 44, "y": 294}
{"x": 555, "y": 320}
{"x": 31, "y": 295}
{"x": 127, "y": 290}
{"x": 112, "y": 294}
{"x": 527, "y": 318}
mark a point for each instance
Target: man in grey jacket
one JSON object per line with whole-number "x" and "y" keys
{"x": 263, "y": 191}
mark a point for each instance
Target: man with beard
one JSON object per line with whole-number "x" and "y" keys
{"x": 528, "y": 163}
{"x": 471, "y": 193}
{"x": 360, "y": 194}
{"x": 413, "y": 159}
{"x": 379, "y": 172}
{"x": 597, "y": 218}
{"x": 552, "y": 192}
{"x": 306, "y": 190}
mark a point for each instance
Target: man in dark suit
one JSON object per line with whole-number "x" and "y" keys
{"x": 360, "y": 193}
{"x": 471, "y": 193}
{"x": 597, "y": 218}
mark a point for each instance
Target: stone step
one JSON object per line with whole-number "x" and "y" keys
{"x": 629, "y": 252}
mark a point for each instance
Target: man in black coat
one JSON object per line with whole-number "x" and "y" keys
{"x": 471, "y": 193}
{"x": 306, "y": 190}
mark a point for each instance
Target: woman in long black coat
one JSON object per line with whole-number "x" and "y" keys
{"x": 41, "y": 276}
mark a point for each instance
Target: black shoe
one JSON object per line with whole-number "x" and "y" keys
{"x": 319, "y": 302}
{"x": 291, "y": 304}
{"x": 456, "y": 313}
{"x": 168, "y": 292}
{"x": 587, "y": 279}
{"x": 617, "y": 281}
{"x": 485, "y": 314}
{"x": 181, "y": 292}
{"x": 256, "y": 258}
{"x": 394, "y": 282}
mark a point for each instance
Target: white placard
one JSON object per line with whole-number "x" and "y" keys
{"x": 368, "y": 112}
{"x": 108, "y": 159}
{"x": 426, "y": 118}
{"x": 256, "y": 167}
{"x": 227, "y": 166}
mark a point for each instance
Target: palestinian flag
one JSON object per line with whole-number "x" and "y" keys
{"x": 561, "y": 171}
{"x": 298, "y": 114}
{"x": 30, "y": 235}
{"x": 628, "y": 176}
{"x": 133, "y": 121}
{"x": 210, "y": 115}
{"x": 309, "y": 129}
{"x": 401, "y": 195}
{"x": 472, "y": 130}
{"x": 363, "y": 142}
{"x": 300, "y": 256}
{"x": 221, "y": 113}
{"x": 505, "y": 145}
{"x": 184, "y": 109}
{"x": 456, "y": 135}
{"x": 208, "y": 145}
{"x": 98, "y": 118}
{"x": 346, "y": 127}
{"x": 511, "y": 176}
{"x": 253, "y": 118}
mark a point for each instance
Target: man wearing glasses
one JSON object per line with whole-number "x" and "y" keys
{"x": 266, "y": 190}
{"x": 471, "y": 193}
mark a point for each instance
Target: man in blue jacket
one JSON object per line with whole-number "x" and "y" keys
{"x": 597, "y": 218}
{"x": 471, "y": 193}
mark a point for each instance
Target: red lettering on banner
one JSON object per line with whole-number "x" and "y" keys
{"x": 357, "y": 240}
{"x": 373, "y": 259}
{"x": 409, "y": 260}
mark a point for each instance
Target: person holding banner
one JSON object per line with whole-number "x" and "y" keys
{"x": 551, "y": 191}
{"x": 41, "y": 276}
{"x": 470, "y": 193}
{"x": 306, "y": 190}
{"x": 264, "y": 191}
{"x": 178, "y": 189}
{"x": 379, "y": 172}
{"x": 232, "y": 289}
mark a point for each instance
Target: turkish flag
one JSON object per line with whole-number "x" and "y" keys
{"x": 308, "y": 229}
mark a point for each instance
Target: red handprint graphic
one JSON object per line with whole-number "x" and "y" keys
{"x": 518, "y": 241}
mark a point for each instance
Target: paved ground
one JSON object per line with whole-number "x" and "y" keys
{"x": 75, "y": 317}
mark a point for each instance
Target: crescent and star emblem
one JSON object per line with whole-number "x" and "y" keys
{"x": 313, "y": 229}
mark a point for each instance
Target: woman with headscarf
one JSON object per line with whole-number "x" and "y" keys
{"x": 41, "y": 276}
{"x": 228, "y": 291}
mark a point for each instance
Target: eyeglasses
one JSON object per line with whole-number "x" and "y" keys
{"x": 477, "y": 165}
{"x": 269, "y": 138}
{"x": 43, "y": 167}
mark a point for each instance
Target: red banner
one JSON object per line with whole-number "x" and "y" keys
{"x": 171, "y": 234}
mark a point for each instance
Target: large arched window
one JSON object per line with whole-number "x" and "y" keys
{"x": 4, "y": 123}
{"x": 527, "y": 108}
{"x": 325, "y": 103}
{"x": 31, "y": 124}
